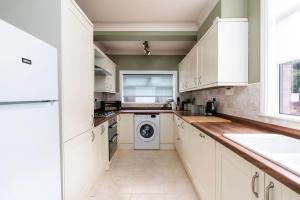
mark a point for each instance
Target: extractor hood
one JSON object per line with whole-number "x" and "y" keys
{"x": 101, "y": 72}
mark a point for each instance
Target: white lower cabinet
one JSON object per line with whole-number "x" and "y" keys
{"x": 85, "y": 157}
{"x": 274, "y": 190}
{"x": 102, "y": 150}
{"x": 197, "y": 152}
{"x": 177, "y": 135}
{"x": 126, "y": 130}
{"x": 79, "y": 165}
{"x": 236, "y": 178}
{"x": 203, "y": 163}
{"x": 166, "y": 125}
{"x": 220, "y": 174}
{"x": 186, "y": 150}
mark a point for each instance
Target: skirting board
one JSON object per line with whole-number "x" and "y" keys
{"x": 131, "y": 146}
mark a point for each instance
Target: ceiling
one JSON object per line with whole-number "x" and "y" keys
{"x": 136, "y": 48}
{"x": 142, "y": 11}
{"x": 167, "y": 17}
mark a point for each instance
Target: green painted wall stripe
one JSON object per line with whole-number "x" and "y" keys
{"x": 254, "y": 40}
{"x": 145, "y": 35}
{"x": 234, "y": 8}
{"x": 216, "y": 12}
{"x": 140, "y": 62}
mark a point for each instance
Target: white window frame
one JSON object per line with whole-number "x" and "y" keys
{"x": 148, "y": 72}
{"x": 269, "y": 96}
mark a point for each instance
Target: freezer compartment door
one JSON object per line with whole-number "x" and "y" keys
{"x": 30, "y": 152}
{"x": 28, "y": 67}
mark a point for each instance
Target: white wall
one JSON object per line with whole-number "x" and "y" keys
{"x": 40, "y": 18}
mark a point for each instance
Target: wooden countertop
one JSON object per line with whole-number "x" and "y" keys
{"x": 203, "y": 119}
{"x": 100, "y": 120}
{"x": 146, "y": 111}
{"x": 216, "y": 131}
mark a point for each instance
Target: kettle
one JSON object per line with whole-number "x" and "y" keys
{"x": 211, "y": 107}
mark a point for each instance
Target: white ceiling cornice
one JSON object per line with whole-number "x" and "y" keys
{"x": 206, "y": 10}
{"x": 146, "y": 27}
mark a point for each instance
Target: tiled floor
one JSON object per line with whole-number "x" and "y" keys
{"x": 144, "y": 175}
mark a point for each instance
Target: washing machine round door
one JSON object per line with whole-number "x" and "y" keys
{"x": 147, "y": 131}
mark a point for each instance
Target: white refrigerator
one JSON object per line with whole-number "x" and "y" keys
{"x": 30, "y": 167}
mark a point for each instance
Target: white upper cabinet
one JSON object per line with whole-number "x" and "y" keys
{"x": 192, "y": 68}
{"x": 77, "y": 71}
{"x": 188, "y": 71}
{"x": 220, "y": 53}
{"x": 106, "y": 81}
{"x": 208, "y": 59}
{"x": 183, "y": 65}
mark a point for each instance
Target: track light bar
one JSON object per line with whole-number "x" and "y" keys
{"x": 146, "y": 48}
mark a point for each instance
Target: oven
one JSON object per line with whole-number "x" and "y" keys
{"x": 112, "y": 136}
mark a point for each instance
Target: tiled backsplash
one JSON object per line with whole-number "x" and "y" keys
{"x": 237, "y": 101}
{"x": 240, "y": 101}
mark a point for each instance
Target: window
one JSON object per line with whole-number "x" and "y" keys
{"x": 290, "y": 88}
{"x": 280, "y": 57}
{"x": 147, "y": 87}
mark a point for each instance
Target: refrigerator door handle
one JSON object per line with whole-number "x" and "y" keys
{"x": 28, "y": 102}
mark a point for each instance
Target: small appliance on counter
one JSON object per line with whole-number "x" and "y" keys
{"x": 198, "y": 109}
{"x": 106, "y": 108}
{"x": 178, "y": 103}
{"x": 186, "y": 105}
{"x": 109, "y": 106}
{"x": 211, "y": 107}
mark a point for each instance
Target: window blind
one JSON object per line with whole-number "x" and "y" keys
{"x": 156, "y": 87}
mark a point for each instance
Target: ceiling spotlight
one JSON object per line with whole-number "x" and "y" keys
{"x": 146, "y": 48}
{"x": 146, "y": 44}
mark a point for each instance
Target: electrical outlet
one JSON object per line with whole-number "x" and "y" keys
{"x": 229, "y": 91}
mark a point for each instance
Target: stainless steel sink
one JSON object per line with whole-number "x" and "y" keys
{"x": 280, "y": 149}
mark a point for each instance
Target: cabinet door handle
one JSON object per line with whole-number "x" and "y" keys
{"x": 201, "y": 135}
{"x": 182, "y": 125}
{"x": 102, "y": 129}
{"x": 199, "y": 81}
{"x": 268, "y": 188}
{"x": 254, "y": 178}
{"x": 93, "y": 136}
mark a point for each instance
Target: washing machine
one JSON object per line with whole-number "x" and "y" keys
{"x": 146, "y": 131}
